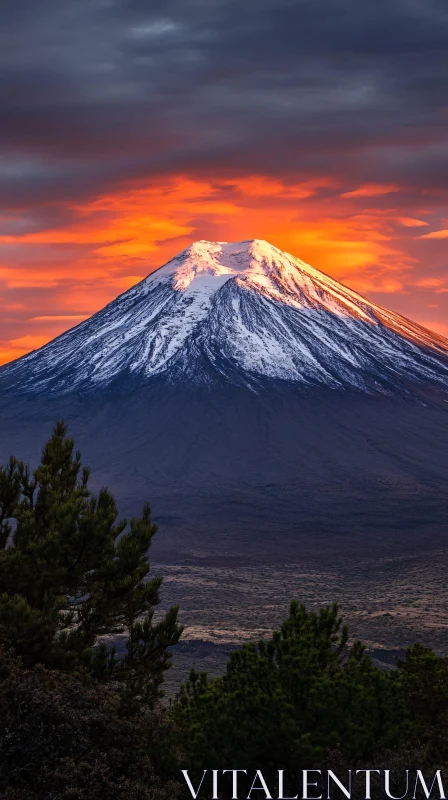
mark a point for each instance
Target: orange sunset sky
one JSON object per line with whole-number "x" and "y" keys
{"x": 57, "y": 277}
{"x": 129, "y": 131}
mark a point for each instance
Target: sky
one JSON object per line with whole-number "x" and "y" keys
{"x": 129, "y": 129}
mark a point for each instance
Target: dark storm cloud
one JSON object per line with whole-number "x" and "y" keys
{"x": 94, "y": 92}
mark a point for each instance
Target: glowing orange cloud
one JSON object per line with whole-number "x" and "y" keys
{"x": 409, "y": 222}
{"x": 371, "y": 190}
{"x": 436, "y": 235}
{"x": 56, "y": 277}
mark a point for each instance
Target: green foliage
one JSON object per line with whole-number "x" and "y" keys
{"x": 70, "y": 573}
{"x": 425, "y": 682}
{"x": 285, "y": 702}
{"x": 63, "y": 736}
{"x": 307, "y": 698}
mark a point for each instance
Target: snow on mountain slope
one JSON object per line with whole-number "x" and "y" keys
{"x": 242, "y": 311}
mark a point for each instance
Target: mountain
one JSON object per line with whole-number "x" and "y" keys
{"x": 259, "y": 404}
{"x": 245, "y": 313}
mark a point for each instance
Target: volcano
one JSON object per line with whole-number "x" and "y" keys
{"x": 243, "y": 313}
{"x": 236, "y": 385}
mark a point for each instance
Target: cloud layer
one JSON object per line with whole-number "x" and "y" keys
{"x": 128, "y": 128}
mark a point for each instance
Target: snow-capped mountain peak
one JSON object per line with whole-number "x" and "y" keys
{"x": 242, "y": 312}
{"x": 206, "y": 266}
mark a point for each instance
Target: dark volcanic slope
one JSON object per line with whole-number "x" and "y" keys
{"x": 228, "y": 470}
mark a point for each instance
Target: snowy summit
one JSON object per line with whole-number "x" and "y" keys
{"x": 242, "y": 312}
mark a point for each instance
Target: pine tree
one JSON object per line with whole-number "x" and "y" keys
{"x": 286, "y": 701}
{"x": 71, "y": 574}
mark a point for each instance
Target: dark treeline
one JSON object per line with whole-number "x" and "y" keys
{"x": 79, "y": 722}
